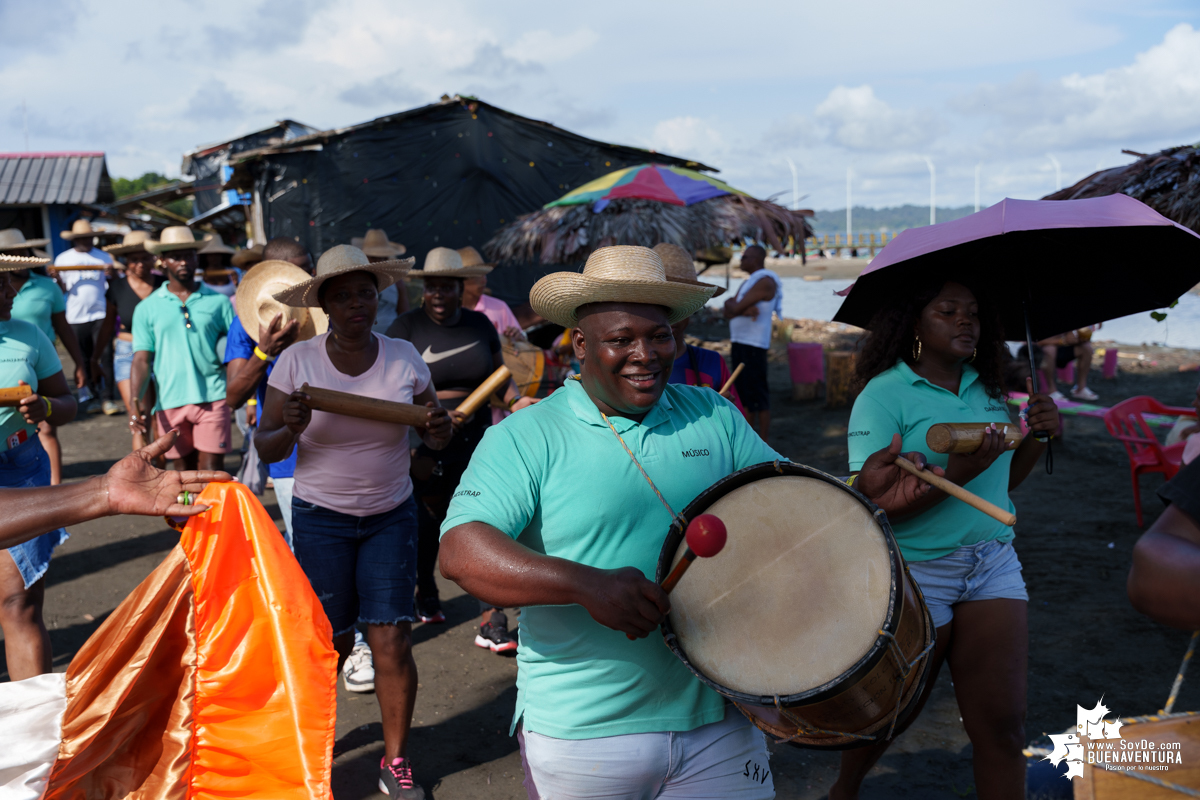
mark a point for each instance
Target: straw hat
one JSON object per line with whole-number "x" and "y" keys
{"x": 377, "y": 244}
{"x": 338, "y": 261}
{"x": 13, "y": 239}
{"x": 13, "y": 263}
{"x": 82, "y": 228}
{"x": 442, "y": 262}
{"x": 471, "y": 258}
{"x": 256, "y": 303}
{"x": 248, "y": 257}
{"x": 177, "y": 237}
{"x": 619, "y": 274}
{"x": 133, "y": 242}
{"x": 680, "y": 267}
{"x": 214, "y": 245}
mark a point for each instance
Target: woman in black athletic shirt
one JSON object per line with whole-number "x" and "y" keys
{"x": 462, "y": 349}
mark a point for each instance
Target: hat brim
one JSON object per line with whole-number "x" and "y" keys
{"x": 305, "y": 294}
{"x": 465, "y": 272}
{"x": 251, "y": 294}
{"x": 720, "y": 290}
{"x": 558, "y": 296}
{"x": 28, "y": 244}
{"x": 243, "y": 257}
{"x": 93, "y": 235}
{"x": 216, "y": 250}
{"x": 13, "y": 263}
{"x": 158, "y": 247}
{"x": 125, "y": 249}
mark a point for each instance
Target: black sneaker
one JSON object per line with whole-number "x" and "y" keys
{"x": 397, "y": 780}
{"x": 429, "y": 609}
{"x": 493, "y": 634}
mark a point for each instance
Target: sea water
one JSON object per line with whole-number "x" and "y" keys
{"x": 816, "y": 300}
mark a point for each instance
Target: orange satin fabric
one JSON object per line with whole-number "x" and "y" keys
{"x": 254, "y": 688}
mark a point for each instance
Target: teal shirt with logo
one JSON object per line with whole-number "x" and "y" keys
{"x": 555, "y": 478}
{"x": 26, "y": 354}
{"x": 39, "y": 298}
{"x": 187, "y": 367}
{"x": 900, "y": 401}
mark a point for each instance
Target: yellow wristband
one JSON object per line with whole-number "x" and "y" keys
{"x": 49, "y": 408}
{"x": 252, "y": 401}
{"x": 261, "y": 354}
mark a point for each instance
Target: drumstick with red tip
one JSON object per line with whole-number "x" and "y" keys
{"x": 706, "y": 536}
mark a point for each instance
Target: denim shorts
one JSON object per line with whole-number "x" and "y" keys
{"x": 981, "y": 571}
{"x": 363, "y": 569}
{"x": 122, "y": 359}
{"x": 25, "y": 466}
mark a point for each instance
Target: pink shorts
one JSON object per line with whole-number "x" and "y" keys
{"x": 204, "y": 427}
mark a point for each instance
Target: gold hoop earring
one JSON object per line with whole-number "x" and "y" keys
{"x": 916, "y": 348}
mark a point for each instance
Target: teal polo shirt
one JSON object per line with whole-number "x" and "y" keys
{"x": 554, "y": 477}
{"x": 901, "y": 401}
{"x": 26, "y": 354}
{"x": 187, "y": 368}
{"x": 39, "y": 298}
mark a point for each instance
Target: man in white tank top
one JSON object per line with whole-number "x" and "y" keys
{"x": 749, "y": 313}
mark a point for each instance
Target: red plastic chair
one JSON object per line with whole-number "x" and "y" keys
{"x": 1146, "y": 453}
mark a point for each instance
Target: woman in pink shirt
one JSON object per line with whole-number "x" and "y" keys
{"x": 354, "y": 519}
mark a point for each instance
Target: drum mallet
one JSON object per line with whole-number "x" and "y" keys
{"x": 706, "y": 536}
{"x": 485, "y": 390}
{"x": 954, "y": 490}
{"x": 729, "y": 383}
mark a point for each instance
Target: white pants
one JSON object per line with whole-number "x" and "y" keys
{"x": 283, "y": 496}
{"x": 726, "y": 759}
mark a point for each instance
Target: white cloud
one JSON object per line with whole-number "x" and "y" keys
{"x": 858, "y": 120}
{"x": 688, "y": 137}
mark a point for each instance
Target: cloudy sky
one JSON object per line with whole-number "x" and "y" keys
{"x": 872, "y": 86}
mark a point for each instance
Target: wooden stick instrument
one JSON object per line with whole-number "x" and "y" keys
{"x": 477, "y": 398}
{"x": 966, "y": 437}
{"x": 729, "y": 383}
{"x": 353, "y": 405}
{"x": 12, "y": 396}
{"x": 705, "y": 535}
{"x": 954, "y": 490}
{"x": 83, "y": 267}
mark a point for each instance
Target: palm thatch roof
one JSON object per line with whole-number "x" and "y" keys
{"x": 1167, "y": 181}
{"x": 568, "y": 234}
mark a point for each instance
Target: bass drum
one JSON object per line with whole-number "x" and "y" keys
{"x": 807, "y": 619}
{"x": 527, "y": 363}
{"x": 1174, "y": 757}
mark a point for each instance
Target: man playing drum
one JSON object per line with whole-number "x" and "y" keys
{"x": 563, "y": 511}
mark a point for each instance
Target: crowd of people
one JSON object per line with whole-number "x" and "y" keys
{"x": 193, "y": 344}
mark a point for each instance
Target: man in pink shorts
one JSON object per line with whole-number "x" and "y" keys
{"x": 175, "y": 334}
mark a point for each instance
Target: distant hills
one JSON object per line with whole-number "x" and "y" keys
{"x": 873, "y": 220}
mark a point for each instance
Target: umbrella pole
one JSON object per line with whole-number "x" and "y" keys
{"x": 1040, "y": 436}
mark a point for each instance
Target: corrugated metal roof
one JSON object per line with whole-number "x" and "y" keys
{"x": 54, "y": 178}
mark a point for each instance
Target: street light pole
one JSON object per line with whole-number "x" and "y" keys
{"x": 932, "y": 190}
{"x": 795, "y": 184}
{"x": 977, "y": 168}
{"x": 849, "y": 206}
{"x": 1057, "y": 171}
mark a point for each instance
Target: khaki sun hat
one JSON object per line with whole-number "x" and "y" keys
{"x": 377, "y": 244}
{"x": 13, "y": 263}
{"x": 82, "y": 228}
{"x": 257, "y": 306}
{"x": 248, "y": 257}
{"x": 471, "y": 258}
{"x": 442, "y": 262}
{"x": 13, "y": 239}
{"x": 618, "y": 274}
{"x": 680, "y": 267}
{"x": 214, "y": 245}
{"x": 177, "y": 237}
{"x": 339, "y": 260}
{"x": 133, "y": 242}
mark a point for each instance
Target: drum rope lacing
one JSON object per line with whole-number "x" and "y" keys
{"x": 676, "y": 519}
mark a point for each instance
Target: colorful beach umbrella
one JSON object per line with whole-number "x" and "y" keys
{"x": 674, "y": 185}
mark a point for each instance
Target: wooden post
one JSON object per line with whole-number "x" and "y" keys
{"x": 839, "y": 374}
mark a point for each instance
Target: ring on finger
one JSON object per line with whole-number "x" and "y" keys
{"x": 185, "y": 498}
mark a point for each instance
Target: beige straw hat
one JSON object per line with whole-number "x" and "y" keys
{"x": 177, "y": 237}
{"x": 338, "y": 261}
{"x": 214, "y": 245}
{"x": 471, "y": 258}
{"x": 82, "y": 228}
{"x": 680, "y": 267}
{"x": 442, "y": 262}
{"x": 377, "y": 244}
{"x": 133, "y": 242}
{"x": 257, "y": 306}
{"x": 13, "y": 263}
{"x": 13, "y": 239}
{"x": 619, "y": 274}
{"x": 248, "y": 257}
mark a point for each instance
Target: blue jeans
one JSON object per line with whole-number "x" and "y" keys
{"x": 363, "y": 569}
{"x": 122, "y": 359}
{"x": 25, "y": 466}
{"x": 982, "y": 571}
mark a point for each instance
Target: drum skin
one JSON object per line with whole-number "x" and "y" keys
{"x": 1100, "y": 784}
{"x": 857, "y": 705}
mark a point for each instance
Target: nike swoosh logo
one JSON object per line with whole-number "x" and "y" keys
{"x": 430, "y": 357}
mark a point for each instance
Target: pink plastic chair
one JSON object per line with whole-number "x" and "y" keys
{"x": 1146, "y": 454}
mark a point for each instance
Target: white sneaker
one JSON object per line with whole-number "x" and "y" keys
{"x": 1084, "y": 394}
{"x": 1057, "y": 396}
{"x": 359, "y": 670}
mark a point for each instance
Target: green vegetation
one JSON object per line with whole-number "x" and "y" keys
{"x": 874, "y": 220}
{"x": 124, "y": 187}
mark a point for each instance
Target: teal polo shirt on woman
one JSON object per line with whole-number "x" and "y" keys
{"x": 554, "y": 477}
{"x": 900, "y": 401}
{"x": 187, "y": 369}
{"x": 39, "y": 299}
{"x": 26, "y": 354}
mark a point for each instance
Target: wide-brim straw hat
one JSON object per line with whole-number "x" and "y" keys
{"x": 618, "y": 274}
{"x": 132, "y": 243}
{"x": 471, "y": 258}
{"x": 257, "y": 306}
{"x": 214, "y": 245}
{"x": 340, "y": 260}
{"x": 82, "y": 228}
{"x": 442, "y": 262}
{"x": 13, "y": 263}
{"x": 680, "y": 267}
{"x": 177, "y": 237}
{"x": 13, "y": 239}
{"x": 248, "y": 257}
{"x": 377, "y": 244}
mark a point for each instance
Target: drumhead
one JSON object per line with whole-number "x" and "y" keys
{"x": 798, "y": 595}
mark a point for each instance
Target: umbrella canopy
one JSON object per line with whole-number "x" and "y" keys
{"x": 1063, "y": 262}
{"x": 674, "y": 185}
